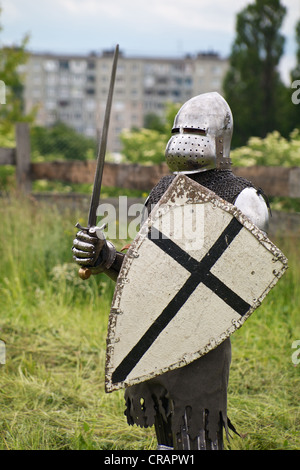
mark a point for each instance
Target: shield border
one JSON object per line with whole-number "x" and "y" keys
{"x": 183, "y": 186}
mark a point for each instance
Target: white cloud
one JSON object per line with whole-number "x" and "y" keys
{"x": 292, "y": 16}
{"x": 11, "y": 11}
{"x": 140, "y": 26}
{"x": 214, "y": 15}
{"x": 200, "y": 15}
{"x": 88, "y": 8}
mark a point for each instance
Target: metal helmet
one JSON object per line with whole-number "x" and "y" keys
{"x": 202, "y": 133}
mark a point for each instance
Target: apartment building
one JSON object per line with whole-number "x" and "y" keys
{"x": 73, "y": 88}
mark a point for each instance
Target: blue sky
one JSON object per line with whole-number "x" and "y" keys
{"x": 141, "y": 27}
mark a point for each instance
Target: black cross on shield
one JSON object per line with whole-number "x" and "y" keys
{"x": 200, "y": 272}
{"x": 155, "y": 324}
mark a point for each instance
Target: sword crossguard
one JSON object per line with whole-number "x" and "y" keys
{"x": 85, "y": 229}
{"x": 93, "y": 230}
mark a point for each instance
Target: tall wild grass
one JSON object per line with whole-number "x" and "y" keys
{"x": 54, "y": 325}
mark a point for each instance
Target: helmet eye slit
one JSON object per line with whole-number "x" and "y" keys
{"x": 189, "y": 130}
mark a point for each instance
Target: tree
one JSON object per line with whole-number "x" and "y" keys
{"x": 61, "y": 142}
{"x": 154, "y": 122}
{"x": 11, "y": 59}
{"x": 147, "y": 145}
{"x": 296, "y": 72}
{"x": 252, "y": 85}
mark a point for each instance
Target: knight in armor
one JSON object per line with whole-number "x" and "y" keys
{"x": 187, "y": 406}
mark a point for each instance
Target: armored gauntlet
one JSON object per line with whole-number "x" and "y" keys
{"x": 92, "y": 250}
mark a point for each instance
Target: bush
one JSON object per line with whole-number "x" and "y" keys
{"x": 144, "y": 146}
{"x": 60, "y": 142}
{"x": 273, "y": 150}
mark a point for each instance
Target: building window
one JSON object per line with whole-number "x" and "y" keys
{"x": 216, "y": 70}
{"x": 50, "y": 104}
{"x": 64, "y": 65}
{"x": 50, "y": 65}
{"x": 63, "y": 103}
{"x": 77, "y": 66}
{"x": 51, "y": 92}
{"x": 90, "y": 105}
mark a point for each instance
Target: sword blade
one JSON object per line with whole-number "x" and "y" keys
{"x": 92, "y": 219}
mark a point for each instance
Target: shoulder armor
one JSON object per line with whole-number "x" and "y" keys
{"x": 251, "y": 202}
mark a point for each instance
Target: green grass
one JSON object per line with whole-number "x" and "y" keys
{"x": 8, "y": 185}
{"x": 54, "y": 325}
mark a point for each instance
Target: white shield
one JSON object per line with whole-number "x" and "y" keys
{"x": 195, "y": 272}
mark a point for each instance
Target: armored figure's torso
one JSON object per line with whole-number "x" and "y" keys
{"x": 188, "y": 405}
{"x": 185, "y": 387}
{"x": 223, "y": 182}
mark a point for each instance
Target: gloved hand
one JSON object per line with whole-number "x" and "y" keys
{"x": 92, "y": 250}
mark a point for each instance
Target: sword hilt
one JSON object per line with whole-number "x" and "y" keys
{"x": 83, "y": 272}
{"x": 93, "y": 230}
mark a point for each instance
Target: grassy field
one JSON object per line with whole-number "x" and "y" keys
{"x": 54, "y": 325}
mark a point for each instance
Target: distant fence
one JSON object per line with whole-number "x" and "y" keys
{"x": 275, "y": 181}
{"x": 20, "y": 157}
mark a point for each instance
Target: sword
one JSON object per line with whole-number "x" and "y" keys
{"x": 85, "y": 273}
